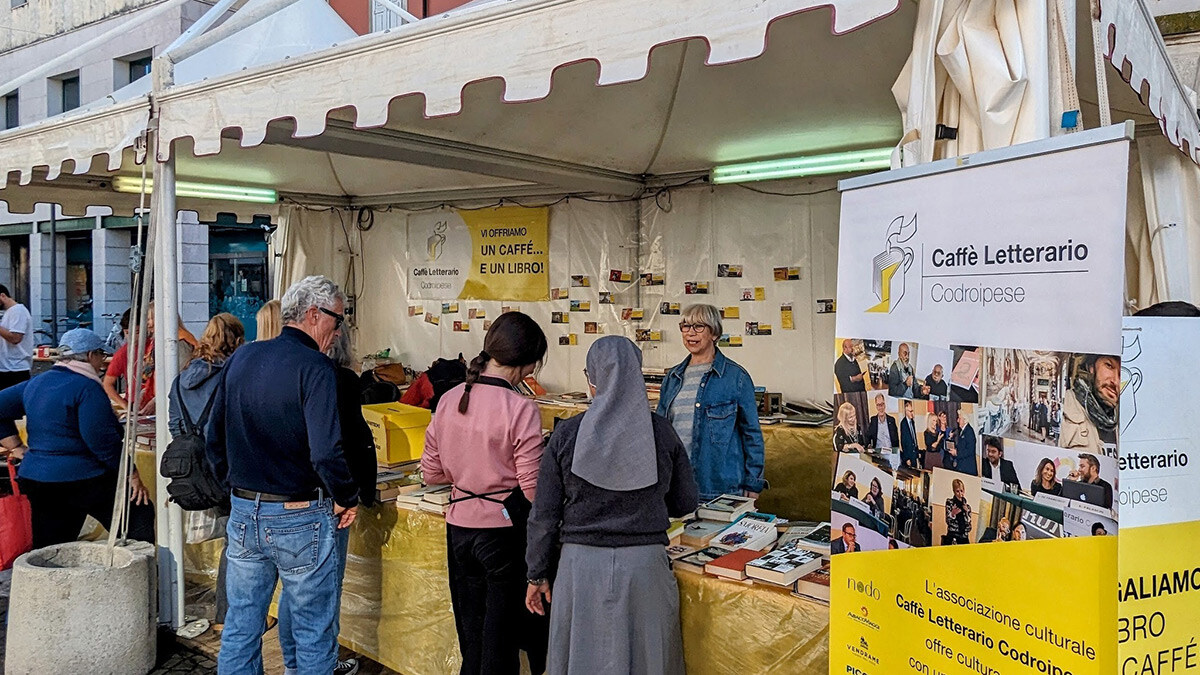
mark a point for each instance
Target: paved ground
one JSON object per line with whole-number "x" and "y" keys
{"x": 177, "y": 656}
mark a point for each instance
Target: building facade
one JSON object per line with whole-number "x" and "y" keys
{"x": 84, "y": 264}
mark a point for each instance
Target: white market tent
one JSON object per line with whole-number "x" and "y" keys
{"x": 533, "y": 100}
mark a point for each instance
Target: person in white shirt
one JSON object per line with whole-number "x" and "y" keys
{"x": 16, "y": 341}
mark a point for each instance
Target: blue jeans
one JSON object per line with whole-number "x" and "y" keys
{"x": 267, "y": 541}
{"x": 287, "y": 641}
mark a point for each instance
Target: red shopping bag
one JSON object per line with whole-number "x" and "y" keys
{"x": 16, "y": 525}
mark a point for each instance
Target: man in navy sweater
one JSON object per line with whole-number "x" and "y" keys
{"x": 274, "y": 435}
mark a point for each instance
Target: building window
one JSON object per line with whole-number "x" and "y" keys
{"x": 62, "y": 93}
{"x": 12, "y": 111}
{"x": 70, "y": 93}
{"x": 139, "y": 68}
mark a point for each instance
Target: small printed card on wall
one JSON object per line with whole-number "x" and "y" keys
{"x": 826, "y": 306}
{"x": 728, "y": 340}
{"x": 416, "y": 310}
{"x": 593, "y": 328}
{"x": 620, "y": 276}
{"x": 728, "y": 271}
{"x": 432, "y": 318}
{"x": 581, "y": 306}
{"x": 449, "y": 308}
{"x": 669, "y": 308}
{"x": 696, "y": 288}
{"x": 462, "y": 326}
{"x": 647, "y": 335}
{"x": 487, "y": 325}
{"x": 476, "y": 313}
{"x": 560, "y": 317}
{"x": 505, "y": 309}
{"x": 754, "y": 294}
{"x": 559, "y": 294}
{"x": 581, "y": 281}
{"x": 731, "y": 313}
{"x": 756, "y": 328}
{"x": 649, "y": 279}
{"x": 787, "y": 274}
{"x": 568, "y": 340}
{"x": 606, "y": 298}
{"x": 633, "y": 314}
{"x": 787, "y": 320}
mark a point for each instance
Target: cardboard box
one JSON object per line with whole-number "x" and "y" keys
{"x": 399, "y": 431}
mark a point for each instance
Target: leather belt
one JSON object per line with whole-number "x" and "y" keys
{"x": 315, "y": 495}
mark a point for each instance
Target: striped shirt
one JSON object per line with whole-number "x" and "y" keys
{"x": 683, "y": 408}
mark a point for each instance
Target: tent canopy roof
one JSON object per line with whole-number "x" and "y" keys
{"x": 538, "y": 97}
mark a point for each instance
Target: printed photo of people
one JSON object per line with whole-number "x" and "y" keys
{"x": 902, "y": 380}
{"x": 955, "y": 499}
{"x": 1023, "y": 394}
{"x": 912, "y": 516}
{"x": 861, "y": 365}
{"x": 1083, "y": 524}
{"x": 849, "y": 535}
{"x": 933, "y": 372}
{"x": 864, "y": 487}
{"x": 964, "y": 377}
{"x": 850, "y": 422}
{"x": 1090, "y": 412}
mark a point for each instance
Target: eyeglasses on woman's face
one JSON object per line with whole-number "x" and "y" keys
{"x": 685, "y": 327}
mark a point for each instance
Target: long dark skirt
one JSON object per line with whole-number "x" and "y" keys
{"x": 615, "y": 611}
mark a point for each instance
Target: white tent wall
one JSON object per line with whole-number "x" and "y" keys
{"x": 705, "y": 226}
{"x": 1170, "y": 185}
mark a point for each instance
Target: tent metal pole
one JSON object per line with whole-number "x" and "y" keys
{"x": 239, "y": 21}
{"x": 54, "y": 273}
{"x": 169, "y": 518}
{"x": 210, "y": 17}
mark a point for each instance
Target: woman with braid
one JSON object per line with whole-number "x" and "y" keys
{"x": 486, "y": 441}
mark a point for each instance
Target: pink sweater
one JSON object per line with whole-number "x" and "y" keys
{"x": 496, "y": 445}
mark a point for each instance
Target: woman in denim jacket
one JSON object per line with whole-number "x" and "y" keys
{"x": 709, "y": 400}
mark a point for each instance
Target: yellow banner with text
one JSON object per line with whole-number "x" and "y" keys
{"x": 1044, "y": 607}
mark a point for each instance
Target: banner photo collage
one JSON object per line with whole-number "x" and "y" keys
{"x": 977, "y": 389}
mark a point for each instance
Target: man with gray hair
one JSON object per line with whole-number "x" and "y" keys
{"x": 274, "y": 435}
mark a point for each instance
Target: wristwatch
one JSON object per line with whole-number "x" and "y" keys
{"x": 536, "y": 582}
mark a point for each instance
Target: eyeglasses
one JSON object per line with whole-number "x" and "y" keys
{"x": 338, "y": 319}
{"x": 692, "y": 327}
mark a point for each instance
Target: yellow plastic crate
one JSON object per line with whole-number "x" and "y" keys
{"x": 399, "y": 431}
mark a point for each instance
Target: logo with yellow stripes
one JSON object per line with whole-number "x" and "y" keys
{"x": 890, "y": 268}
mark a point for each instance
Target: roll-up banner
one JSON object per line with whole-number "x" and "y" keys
{"x": 1159, "y": 497}
{"x": 977, "y": 391}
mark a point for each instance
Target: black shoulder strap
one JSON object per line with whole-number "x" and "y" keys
{"x": 198, "y": 427}
{"x": 187, "y": 419}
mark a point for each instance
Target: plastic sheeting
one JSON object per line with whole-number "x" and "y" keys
{"x": 703, "y": 227}
{"x": 798, "y": 464}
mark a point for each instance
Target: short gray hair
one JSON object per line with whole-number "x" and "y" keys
{"x": 309, "y": 292}
{"x": 339, "y": 349}
{"x": 706, "y": 314}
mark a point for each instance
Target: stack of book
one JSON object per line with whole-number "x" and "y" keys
{"x": 425, "y": 498}
{"x": 728, "y": 539}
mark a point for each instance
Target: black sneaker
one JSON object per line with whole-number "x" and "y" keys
{"x": 346, "y": 667}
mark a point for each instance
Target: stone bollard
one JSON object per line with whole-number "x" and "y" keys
{"x": 70, "y": 612}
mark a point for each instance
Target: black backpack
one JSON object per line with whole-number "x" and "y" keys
{"x": 444, "y": 375}
{"x": 193, "y": 486}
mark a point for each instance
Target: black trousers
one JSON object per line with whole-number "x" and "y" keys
{"x": 60, "y": 509}
{"x": 12, "y": 378}
{"x": 487, "y": 592}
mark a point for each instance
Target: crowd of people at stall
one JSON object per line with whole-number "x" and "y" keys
{"x": 554, "y": 547}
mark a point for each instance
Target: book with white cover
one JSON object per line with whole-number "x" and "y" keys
{"x": 726, "y": 508}
{"x": 755, "y": 531}
{"x": 812, "y": 535}
{"x": 415, "y": 497}
{"x": 783, "y": 566}
{"x": 699, "y": 533}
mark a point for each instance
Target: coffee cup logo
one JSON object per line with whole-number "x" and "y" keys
{"x": 890, "y": 268}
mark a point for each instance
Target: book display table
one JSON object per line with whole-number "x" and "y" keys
{"x": 396, "y": 597}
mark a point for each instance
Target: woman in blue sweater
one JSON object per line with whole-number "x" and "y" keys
{"x": 69, "y": 470}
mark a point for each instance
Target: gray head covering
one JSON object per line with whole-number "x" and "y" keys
{"x": 615, "y": 447}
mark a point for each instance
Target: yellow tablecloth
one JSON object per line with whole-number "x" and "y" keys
{"x": 396, "y": 608}
{"x": 798, "y": 467}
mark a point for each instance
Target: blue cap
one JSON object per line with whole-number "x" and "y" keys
{"x": 80, "y": 341}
